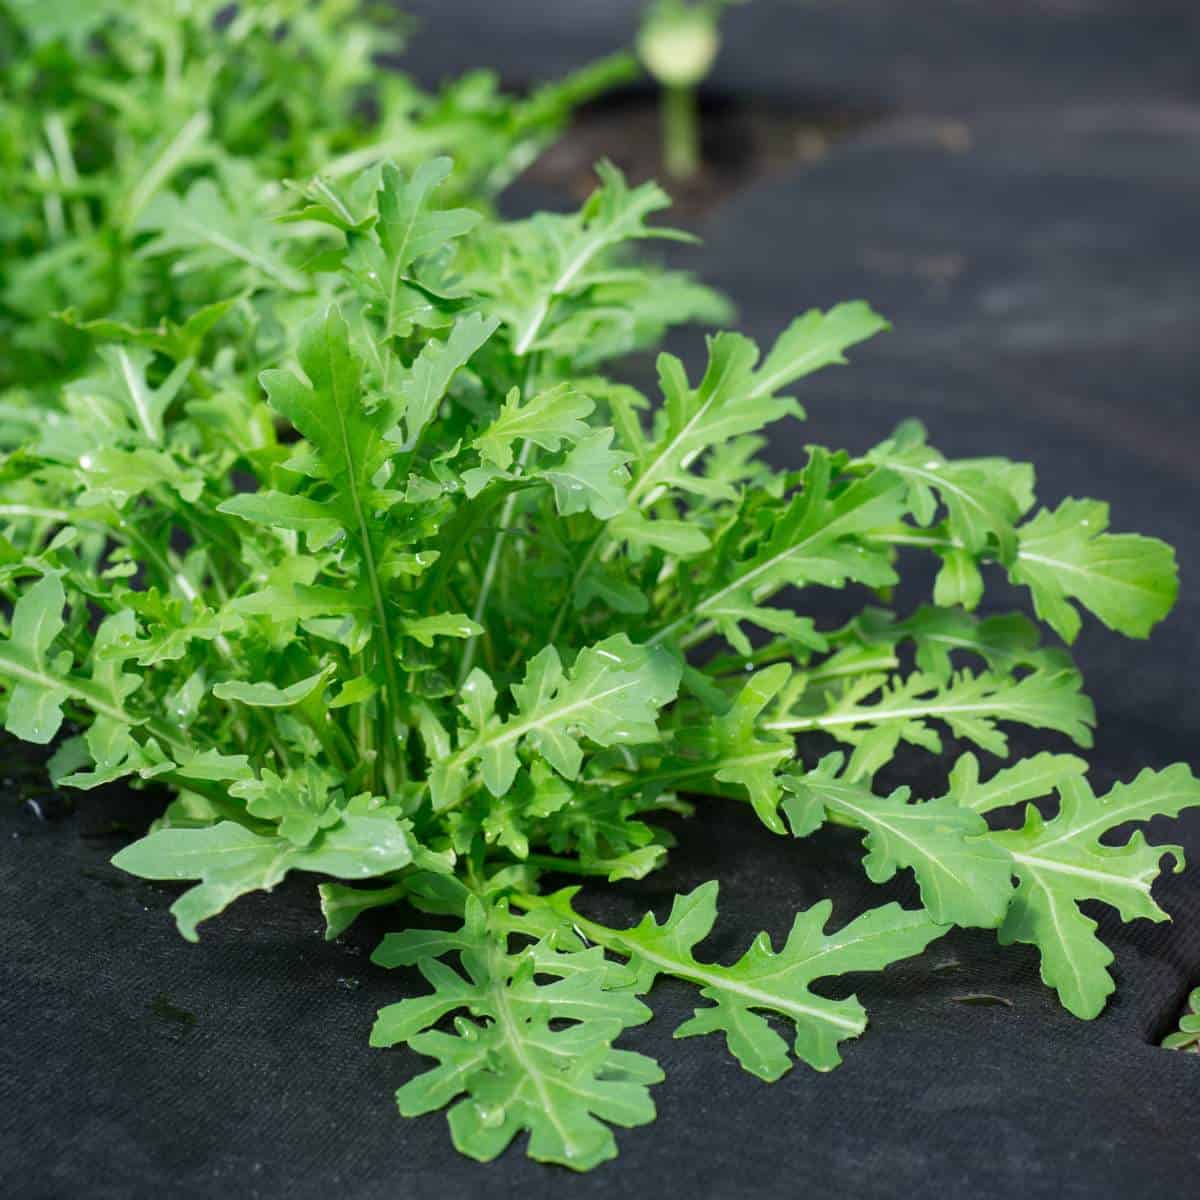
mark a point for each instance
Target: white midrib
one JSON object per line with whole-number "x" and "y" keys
{"x": 163, "y": 167}
{"x": 1108, "y": 819}
{"x": 385, "y": 637}
{"x": 867, "y": 716}
{"x": 1052, "y": 907}
{"x": 796, "y": 369}
{"x": 1037, "y": 863}
{"x": 566, "y": 277}
{"x": 763, "y": 387}
{"x": 397, "y": 271}
{"x": 332, "y": 199}
{"x": 755, "y": 996}
{"x": 999, "y": 797}
{"x": 635, "y": 493}
{"x": 737, "y": 584}
{"x": 1088, "y": 572}
{"x": 512, "y": 1034}
{"x": 515, "y": 731}
{"x": 1024, "y": 555}
{"x": 137, "y": 393}
{"x": 943, "y": 484}
{"x": 868, "y": 818}
{"x": 237, "y": 250}
{"x": 71, "y": 687}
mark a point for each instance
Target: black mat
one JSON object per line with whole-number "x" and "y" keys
{"x": 1042, "y": 279}
{"x": 135, "y": 1065}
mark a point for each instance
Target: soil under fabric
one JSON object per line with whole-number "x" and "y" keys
{"x": 1039, "y": 267}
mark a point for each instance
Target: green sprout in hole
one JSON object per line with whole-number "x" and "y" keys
{"x": 1187, "y": 1036}
{"x": 678, "y": 44}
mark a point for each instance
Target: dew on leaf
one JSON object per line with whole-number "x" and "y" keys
{"x": 491, "y": 1116}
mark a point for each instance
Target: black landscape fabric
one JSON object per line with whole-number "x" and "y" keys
{"x": 1040, "y": 268}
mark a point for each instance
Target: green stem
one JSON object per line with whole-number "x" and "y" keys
{"x": 569, "y": 866}
{"x": 569, "y": 598}
{"x": 489, "y": 571}
{"x": 681, "y": 131}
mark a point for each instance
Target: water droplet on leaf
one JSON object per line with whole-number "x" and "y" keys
{"x": 491, "y": 1116}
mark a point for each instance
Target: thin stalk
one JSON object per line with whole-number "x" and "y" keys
{"x": 681, "y": 131}
{"x": 572, "y": 587}
{"x": 471, "y": 648}
{"x": 489, "y": 571}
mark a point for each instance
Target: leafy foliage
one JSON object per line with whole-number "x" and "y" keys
{"x": 1062, "y": 861}
{"x": 324, "y": 511}
{"x": 763, "y": 979}
{"x": 147, "y": 149}
{"x": 518, "y": 1073}
{"x": 964, "y": 879}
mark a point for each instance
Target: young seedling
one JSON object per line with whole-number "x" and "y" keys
{"x": 1187, "y": 1036}
{"x": 678, "y": 43}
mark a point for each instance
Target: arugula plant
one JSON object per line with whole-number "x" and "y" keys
{"x": 388, "y": 578}
{"x": 143, "y": 140}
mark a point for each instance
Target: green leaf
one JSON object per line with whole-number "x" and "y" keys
{"x": 817, "y": 538}
{"x": 1026, "y": 780}
{"x": 730, "y": 750}
{"x": 978, "y": 496}
{"x": 34, "y": 709}
{"x": 677, "y": 538}
{"x": 610, "y": 695}
{"x": 425, "y": 383}
{"x": 1003, "y": 643}
{"x": 230, "y": 860}
{"x": 283, "y": 511}
{"x": 964, "y": 878}
{"x": 725, "y": 405}
{"x": 548, "y": 420}
{"x": 1129, "y": 582}
{"x": 341, "y": 905}
{"x": 409, "y": 227}
{"x": 351, "y": 449}
{"x": 115, "y": 477}
{"x": 126, "y": 383}
{"x": 814, "y": 341}
{"x": 268, "y": 695}
{"x": 1062, "y": 861}
{"x": 302, "y": 802}
{"x": 764, "y": 980}
{"x": 591, "y": 478}
{"x": 440, "y": 625}
{"x": 734, "y": 399}
{"x": 45, "y": 21}
{"x": 513, "y": 1070}
{"x": 969, "y": 704}
{"x": 1187, "y": 1037}
{"x": 201, "y": 228}
{"x": 567, "y": 247}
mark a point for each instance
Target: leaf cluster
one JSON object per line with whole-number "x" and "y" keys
{"x": 347, "y": 531}
{"x": 149, "y": 147}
